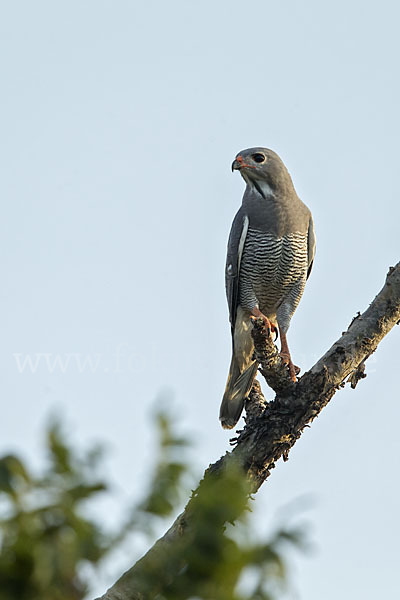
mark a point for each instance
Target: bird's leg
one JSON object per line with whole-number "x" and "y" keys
{"x": 286, "y": 358}
{"x": 270, "y": 327}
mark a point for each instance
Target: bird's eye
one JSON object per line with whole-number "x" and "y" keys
{"x": 258, "y": 157}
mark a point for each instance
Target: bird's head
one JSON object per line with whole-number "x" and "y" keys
{"x": 263, "y": 169}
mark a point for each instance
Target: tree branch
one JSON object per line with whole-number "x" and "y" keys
{"x": 272, "y": 428}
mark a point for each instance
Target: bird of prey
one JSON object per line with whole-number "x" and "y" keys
{"x": 270, "y": 254}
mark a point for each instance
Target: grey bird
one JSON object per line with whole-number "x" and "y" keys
{"x": 270, "y": 254}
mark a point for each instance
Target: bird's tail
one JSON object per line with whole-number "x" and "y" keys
{"x": 237, "y": 389}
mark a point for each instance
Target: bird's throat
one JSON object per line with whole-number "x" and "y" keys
{"x": 263, "y": 188}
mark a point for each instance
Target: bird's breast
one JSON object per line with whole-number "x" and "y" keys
{"x": 270, "y": 266}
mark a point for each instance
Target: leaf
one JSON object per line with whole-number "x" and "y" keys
{"x": 59, "y": 451}
{"x": 84, "y": 491}
{"x": 13, "y": 474}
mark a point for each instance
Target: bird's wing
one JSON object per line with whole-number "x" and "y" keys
{"x": 311, "y": 246}
{"x": 237, "y": 238}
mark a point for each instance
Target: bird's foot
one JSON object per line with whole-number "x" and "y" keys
{"x": 269, "y": 326}
{"x": 293, "y": 369}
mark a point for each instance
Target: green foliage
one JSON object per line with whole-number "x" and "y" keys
{"x": 165, "y": 489}
{"x": 218, "y": 555}
{"x": 46, "y": 535}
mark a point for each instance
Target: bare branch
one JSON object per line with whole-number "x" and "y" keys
{"x": 272, "y": 428}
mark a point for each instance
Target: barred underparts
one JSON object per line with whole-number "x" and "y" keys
{"x": 271, "y": 270}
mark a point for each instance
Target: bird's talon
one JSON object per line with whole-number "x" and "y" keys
{"x": 292, "y": 372}
{"x": 285, "y": 358}
{"x": 293, "y": 369}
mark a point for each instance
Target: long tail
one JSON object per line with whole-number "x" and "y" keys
{"x": 237, "y": 389}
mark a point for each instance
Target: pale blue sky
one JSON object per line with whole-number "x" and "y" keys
{"x": 119, "y": 123}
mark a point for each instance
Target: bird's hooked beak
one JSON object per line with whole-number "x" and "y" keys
{"x": 239, "y": 163}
